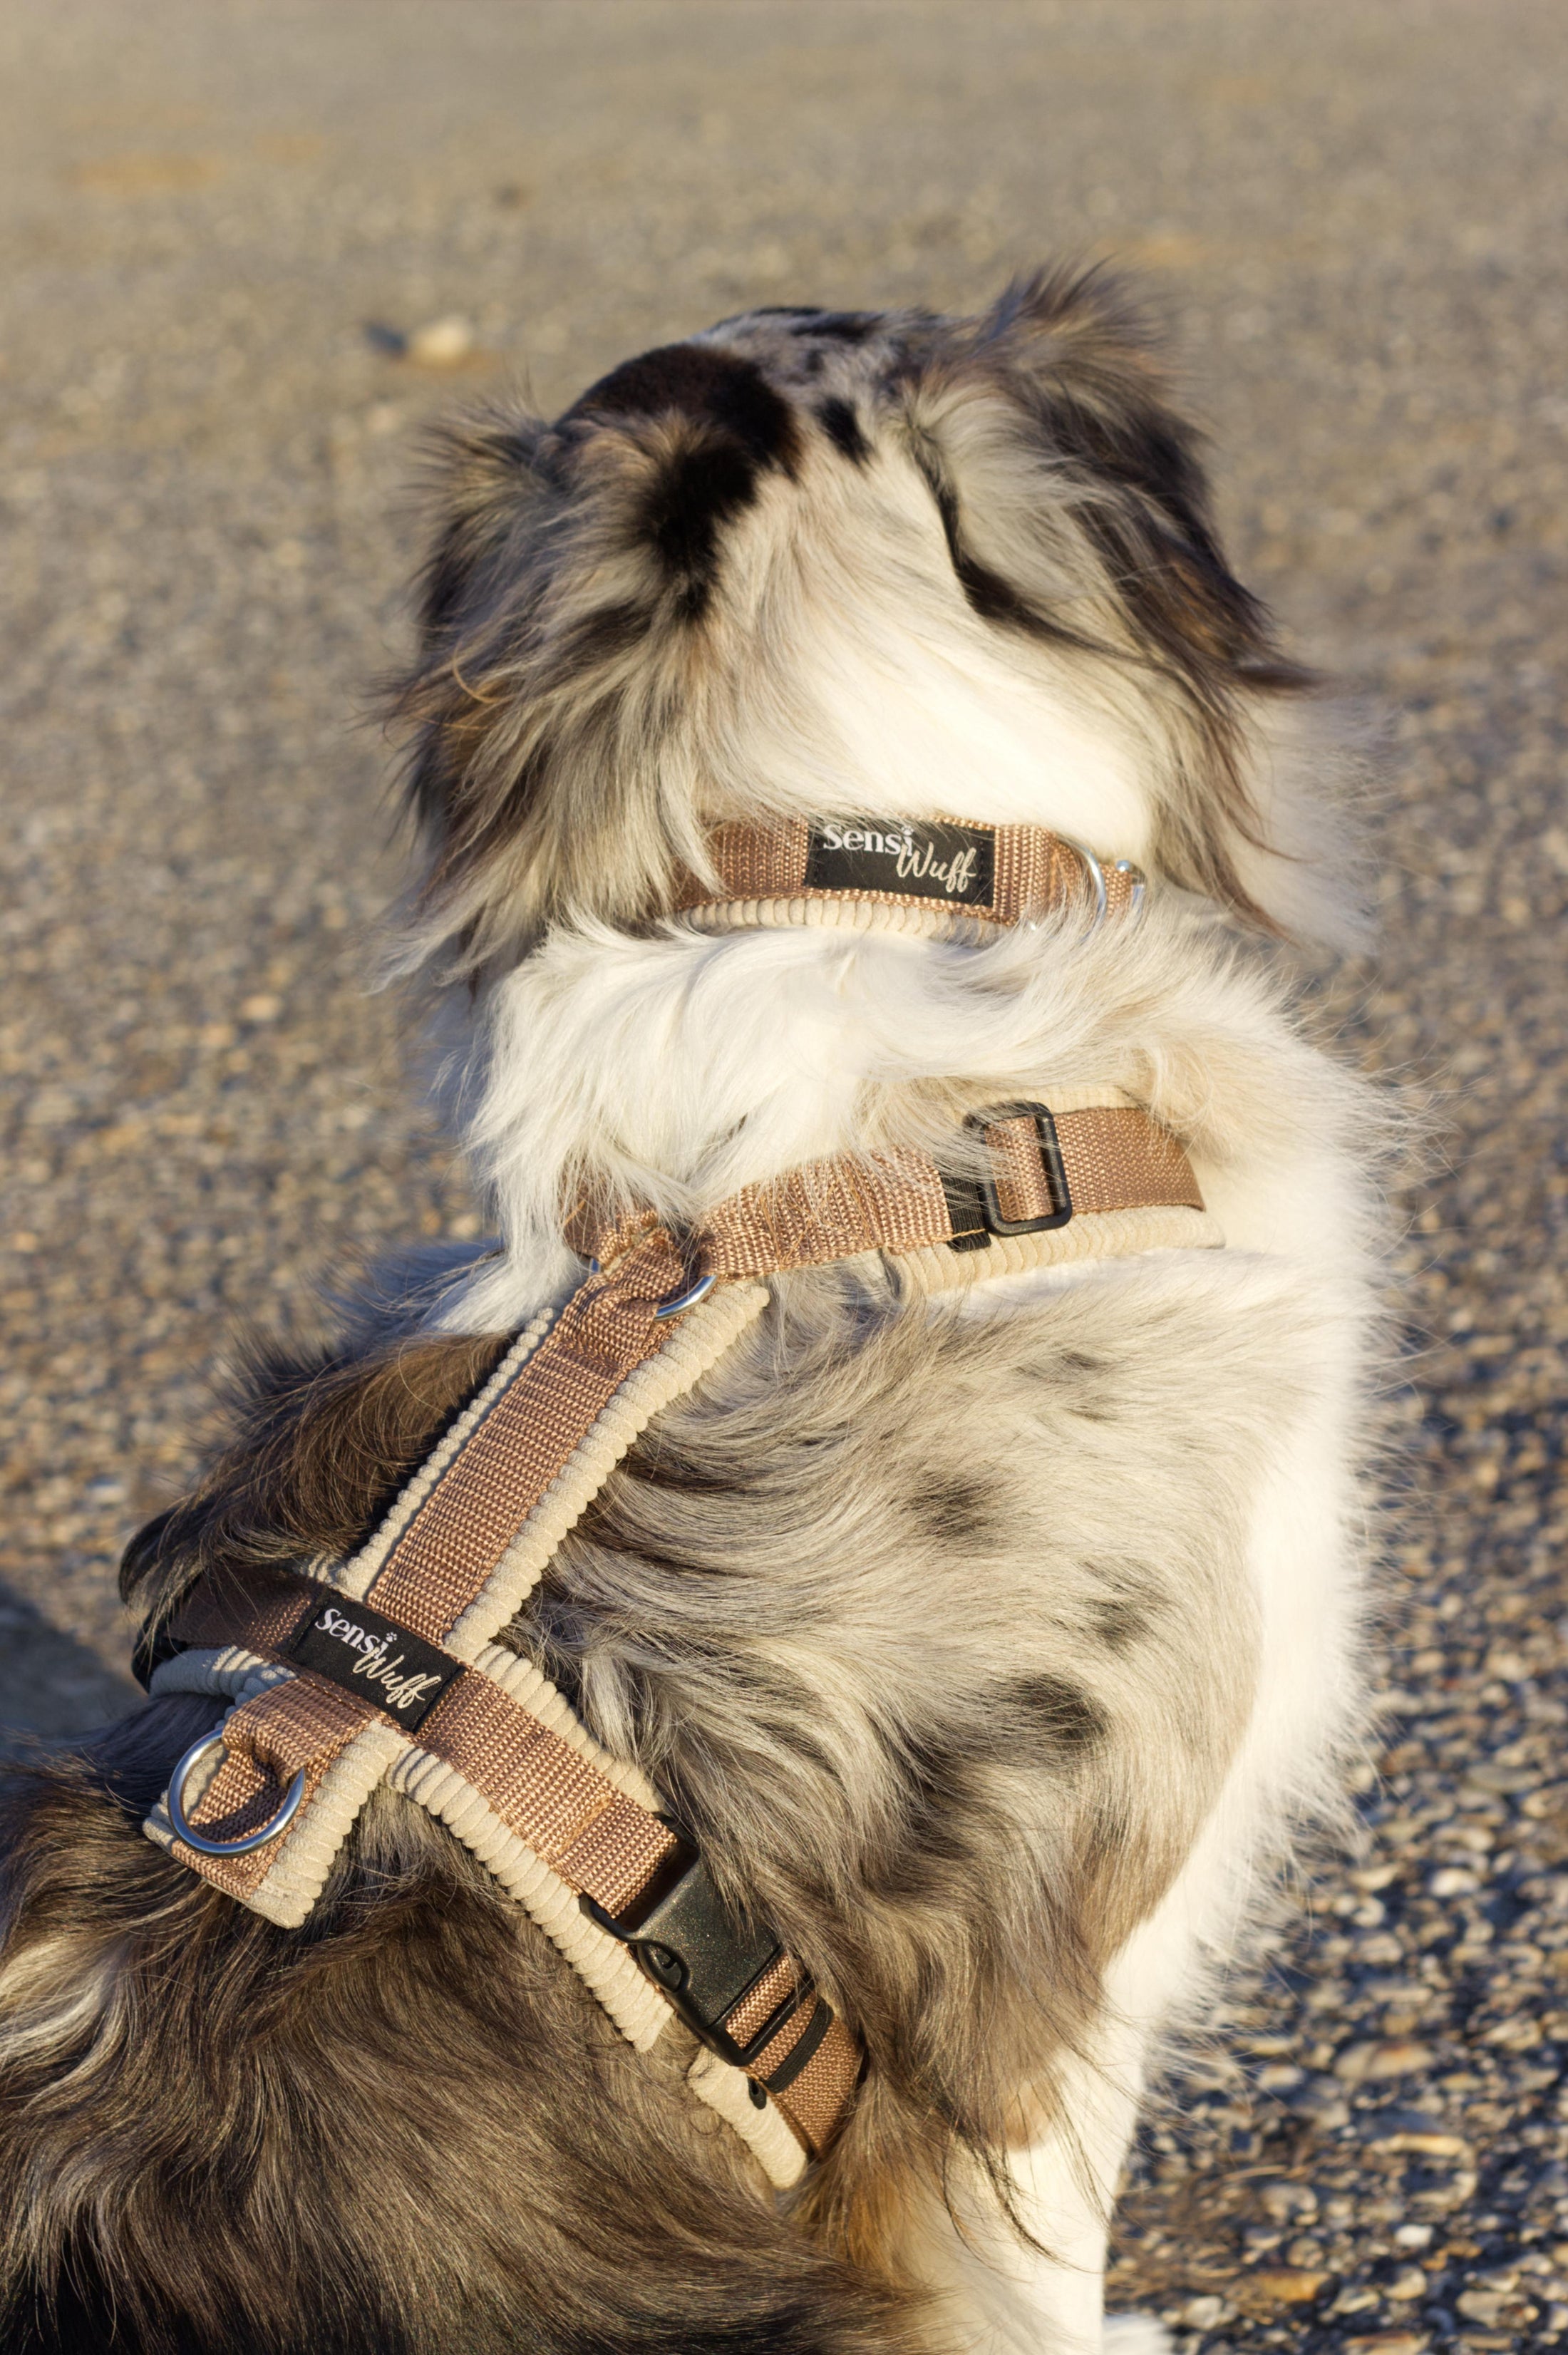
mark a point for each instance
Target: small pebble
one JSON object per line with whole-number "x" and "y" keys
{"x": 1363, "y": 2063}
{"x": 1289, "y": 2284}
{"x": 442, "y": 343}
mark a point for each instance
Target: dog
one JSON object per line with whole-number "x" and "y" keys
{"x": 990, "y": 1640}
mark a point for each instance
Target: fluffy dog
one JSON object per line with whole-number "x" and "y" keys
{"x": 989, "y": 1647}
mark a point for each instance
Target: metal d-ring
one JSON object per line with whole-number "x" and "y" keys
{"x": 1125, "y": 867}
{"x": 1098, "y": 877}
{"x": 187, "y": 1831}
{"x": 686, "y": 1299}
{"x": 683, "y": 1300}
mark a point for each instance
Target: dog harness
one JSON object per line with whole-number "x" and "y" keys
{"x": 386, "y": 1666}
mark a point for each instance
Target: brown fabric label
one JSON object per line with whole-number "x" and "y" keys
{"x": 373, "y": 1659}
{"x": 904, "y": 857}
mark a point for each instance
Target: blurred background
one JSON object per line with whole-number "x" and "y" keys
{"x": 248, "y": 249}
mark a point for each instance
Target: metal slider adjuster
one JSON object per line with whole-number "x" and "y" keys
{"x": 692, "y": 1947}
{"x": 975, "y": 1203}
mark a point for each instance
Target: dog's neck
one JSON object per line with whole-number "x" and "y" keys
{"x": 675, "y": 1068}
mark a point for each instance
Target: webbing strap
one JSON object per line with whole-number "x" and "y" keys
{"x": 601, "y": 1843}
{"x": 997, "y": 874}
{"x": 1112, "y": 1157}
{"x": 445, "y": 1577}
{"x": 438, "y": 1566}
{"x": 448, "y": 1576}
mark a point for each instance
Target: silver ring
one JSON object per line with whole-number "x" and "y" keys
{"x": 198, "y": 1840}
{"x": 688, "y": 1299}
{"x": 1098, "y": 877}
{"x": 1125, "y": 867}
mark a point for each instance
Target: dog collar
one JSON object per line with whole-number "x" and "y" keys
{"x": 387, "y": 1666}
{"x": 943, "y": 874}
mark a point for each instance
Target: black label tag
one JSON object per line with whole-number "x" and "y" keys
{"x": 957, "y": 863}
{"x": 373, "y": 1657}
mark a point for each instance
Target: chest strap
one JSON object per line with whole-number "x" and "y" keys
{"x": 385, "y": 1666}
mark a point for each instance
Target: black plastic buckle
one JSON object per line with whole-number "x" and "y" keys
{"x": 973, "y": 1202}
{"x": 689, "y": 1945}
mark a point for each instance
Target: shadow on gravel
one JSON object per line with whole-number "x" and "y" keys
{"x": 52, "y": 1688}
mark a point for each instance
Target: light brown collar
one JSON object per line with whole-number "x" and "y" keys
{"x": 944, "y": 874}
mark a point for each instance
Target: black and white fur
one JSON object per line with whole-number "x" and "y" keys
{"x": 992, "y": 1647}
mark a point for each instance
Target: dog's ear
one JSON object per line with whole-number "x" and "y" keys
{"x": 569, "y": 566}
{"x": 483, "y": 480}
{"x": 481, "y": 484}
{"x": 1077, "y": 515}
{"x": 529, "y": 625}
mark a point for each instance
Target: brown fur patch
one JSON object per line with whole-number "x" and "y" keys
{"x": 409, "y": 2131}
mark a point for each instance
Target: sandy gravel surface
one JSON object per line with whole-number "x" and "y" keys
{"x": 222, "y": 224}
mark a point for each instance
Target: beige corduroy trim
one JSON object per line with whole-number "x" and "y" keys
{"x": 604, "y": 1963}
{"x": 355, "y": 1575}
{"x": 1097, "y": 1235}
{"x": 238, "y": 1676}
{"x": 698, "y": 1343}
{"x": 299, "y": 1870}
{"x": 931, "y": 923}
{"x": 307, "y": 1854}
{"x": 1104, "y": 1165}
{"x": 532, "y": 1691}
{"x": 631, "y": 2001}
{"x": 231, "y": 1671}
{"x": 728, "y": 2091}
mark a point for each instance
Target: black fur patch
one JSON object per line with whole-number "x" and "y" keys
{"x": 993, "y": 599}
{"x": 842, "y": 427}
{"x": 955, "y": 1511}
{"x": 753, "y": 430}
{"x": 1120, "y": 1622}
{"x": 1067, "y": 1717}
{"x": 613, "y": 630}
{"x": 698, "y": 494}
{"x": 843, "y": 326}
{"x": 710, "y": 387}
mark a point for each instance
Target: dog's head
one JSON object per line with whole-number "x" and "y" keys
{"x": 839, "y": 562}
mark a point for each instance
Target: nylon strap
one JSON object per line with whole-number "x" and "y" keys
{"x": 1114, "y": 1157}
{"x": 1007, "y": 873}
{"x": 601, "y": 1842}
{"x": 464, "y": 1545}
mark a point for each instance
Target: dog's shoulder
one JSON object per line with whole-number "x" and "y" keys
{"x": 313, "y": 1444}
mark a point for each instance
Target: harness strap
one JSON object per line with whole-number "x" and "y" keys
{"x": 1045, "y": 1171}
{"x": 996, "y": 874}
{"x": 390, "y": 1667}
{"x": 628, "y": 1862}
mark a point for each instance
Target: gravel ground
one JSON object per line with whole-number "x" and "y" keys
{"x": 226, "y": 224}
